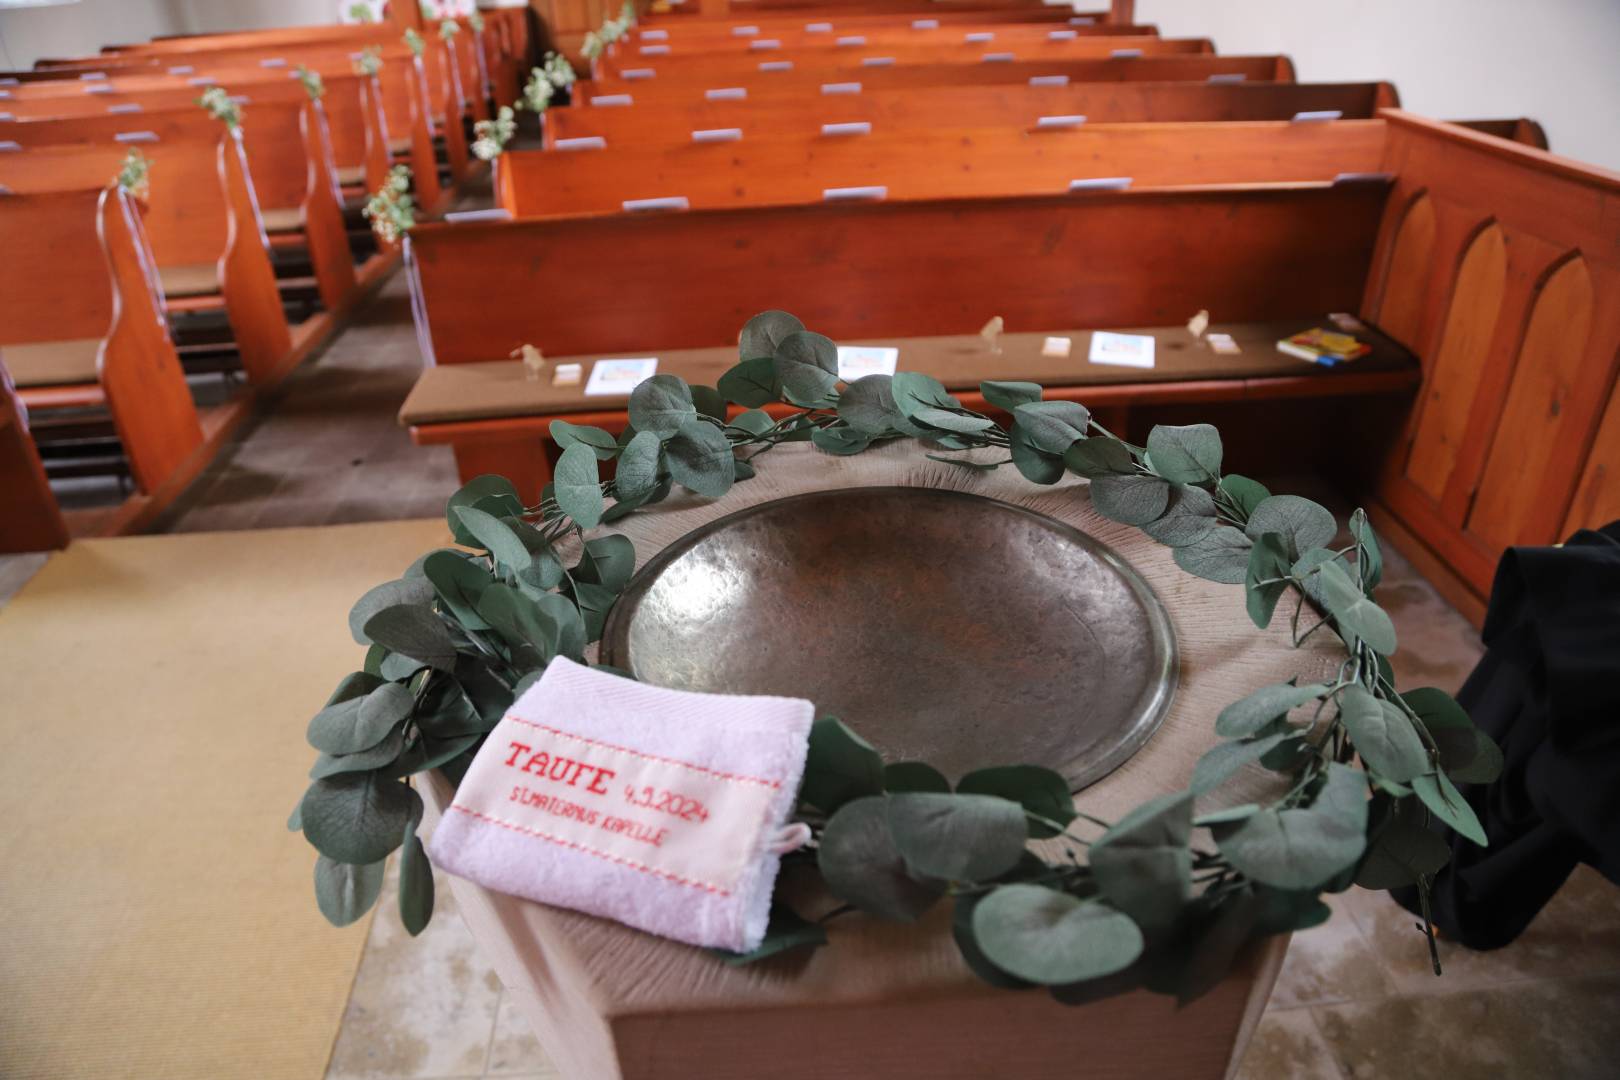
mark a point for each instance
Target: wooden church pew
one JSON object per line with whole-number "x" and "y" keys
{"x": 738, "y": 35}
{"x": 289, "y": 159}
{"x": 81, "y": 325}
{"x": 32, "y": 521}
{"x": 847, "y": 80}
{"x": 852, "y": 19}
{"x": 1499, "y": 265}
{"x": 205, "y": 232}
{"x": 947, "y": 107}
{"x": 932, "y": 164}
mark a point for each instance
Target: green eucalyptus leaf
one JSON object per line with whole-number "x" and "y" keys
{"x": 578, "y": 486}
{"x": 346, "y": 891}
{"x": 593, "y": 602}
{"x": 1053, "y": 426}
{"x": 1304, "y": 570}
{"x": 913, "y": 776}
{"x": 661, "y": 404}
{"x": 1401, "y": 848}
{"x": 786, "y": 930}
{"x": 413, "y": 630}
{"x": 1049, "y": 937}
{"x": 1283, "y": 911}
{"x": 398, "y": 668}
{"x": 1382, "y": 735}
{"x": 1186, "y": 520}
{"x": 564, "y": 434}
{"x": 1441, "y": 796}
{"x": 1035, "y": 465}
{"x": 700, "y": 459}
{"x": 1245, "y": 494}
{"x": 1037, "y": 789}
{"x": 709, "y": 402}
{"x": 637, "y": 473}
{"x": 807, "y": 367}
{"x": 840, "y": 766}
{"x": 1252, "y": 713}
{"x": 496, "y": 537}
{"x": 1224, "y": 759}
{"x": 1143, "y": 866}
{"x": 1369, "y": 558}
{"x": 1098, "y": 457}
{"x": 1007, "y": 396}
{"x": 972, "y": 955}
{"x": 1189, "y": 454}
{"x": 1302, "y": 847}
{"x": 459, "y": 582}
{"x": 388, "y": 594}
{"x": 1268, "y": 562}
{"x": 415, "y": 886}
{"x": 957, "y": 837}
{"x": 764, "y": 332}
{"x": 840, "y": 440}
{"x": 358, "y": 817}
{"x": 1222, "y": 555}
{"x": 337, "y": 729}
{"x": 608, "y": 561}
{"x": 534, "y": 636}
{"x": 489, "y": 486}
{"x": 1467, "y": 754}
{"x": 1355, "y": 615}
{"x": 1301, "y": 523}
{"x": 1130, "y": 500}
{"x": 374, "y": 757}
{"x": 948, "y": 420}
{"x": 862, "y": 866}
{"x": 752, "y": 383}
{"x": 913, "y": 390}
{"x": 758, "y": 421}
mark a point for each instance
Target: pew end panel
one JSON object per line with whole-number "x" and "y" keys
{"x": 32, "y": 521}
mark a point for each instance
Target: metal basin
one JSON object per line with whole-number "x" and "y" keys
{"x": 944, "y": 627}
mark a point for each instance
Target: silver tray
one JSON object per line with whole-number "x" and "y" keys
{"x": 944, "y": 627}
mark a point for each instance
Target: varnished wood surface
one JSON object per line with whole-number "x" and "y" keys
{"x": 779, "y": 169}
{"x": 31, "y": 521}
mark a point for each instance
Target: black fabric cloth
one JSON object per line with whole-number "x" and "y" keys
{"x": 1548, "y": 691}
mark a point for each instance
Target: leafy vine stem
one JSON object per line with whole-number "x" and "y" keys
{"x": 1043, "y": 893}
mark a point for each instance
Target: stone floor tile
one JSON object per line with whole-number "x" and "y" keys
{"x": 15, "y": 570}
{"x": 1578, "y": 933}
{"x": 515, "y": 1052}
{"x": 421, "y": 1007}
{"x": 1331, "y": 963}
{"x": 1560, "y": 1029}
{"x": 1287, "y": 1046}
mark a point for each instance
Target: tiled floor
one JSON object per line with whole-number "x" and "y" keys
{"x": 1355, "y": 1000}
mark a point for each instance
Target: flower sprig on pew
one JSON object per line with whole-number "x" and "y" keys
{"x": 537, "y": 92}
{"x": 134, "y": 176}
{"x": 219, "y": 104}
{"x": 475, "y": 19}
{"x": 361, "y": 12}
{"x": 368, "y": 61}
{"x": 448, "y": 29}
{"x": 1043, "y": 893}
{"x": 491, "y": 136}
{"x": 391, "y": 209}
{"x": 559, "y": 70}
{"x": 414, "y": 42}
{"x": 313, "y": 84}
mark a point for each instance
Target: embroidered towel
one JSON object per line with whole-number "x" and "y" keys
{"x": 662, "y": 809}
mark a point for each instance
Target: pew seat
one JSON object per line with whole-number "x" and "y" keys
{"x": 189, "y": 280}
{"x": 496, "y": 418}
{"x": 54, "y": 363}
{"x": 283, "y": 219}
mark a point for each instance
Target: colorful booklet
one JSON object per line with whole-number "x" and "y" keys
{"x": 1323, "y": 347}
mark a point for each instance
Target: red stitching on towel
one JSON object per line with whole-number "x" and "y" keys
{"x": 774, "y": 784}
{"x": 525, "y": 830}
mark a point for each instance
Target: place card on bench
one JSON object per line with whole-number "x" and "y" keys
{"x": 1125, "y": 54}
{"x": 925, "y": 24}
{"x": 1318, "y": 116}
{"x": 744, "y": 31}
{"x": 870, "y": 193}
{"x": 273, "y": 62}
{"x": 764, "y": 43}
{"x": 1061, "y": 35}
{"x": 654, "y": 50}
{"x": 202, "y": 80}
{"x": 877, "y": 61}
{"x": 996, "y": 58}
{"x": 655, "y": 35}
{"x": 92, "y": 76}
{"x": 852, "y": 127}
{"x": 9, "y": 146}
{"x": 726, "y": 93}
{"x": 99, "y": 88}
{"x": 818, "y": 27}
{"x": 124, "y": 107}
{"x": 135, "y": 136}
{"x": 859, "y": 361}
{"x": 10, "y": 80}
{"x": 840, "y": 88}
{"x": 1228, "y": 77}
{"x": 582, "y": 142}
{"x": 1049, "y": 80}
{"x": 460, "y": 216}
{"x": 776, "y": 65}
{"x": 4, "y": 190}
{"x": 618, "y": 377}
{"x": 183, "y": 69}
{"x": 1054, "y": 123}
{"x": 1100, "y": 183}
{"x": 713, "y": 135}
{"x": 7, "y": 117}
{"x": 668, "y": 202}
{"x": 613, "y": 99}
{"x": 851, "y": 41}
{"x": 1121, "y": 350}
{"x": 1082, "y": 20}
{"x": 638, "y": 73}
{"x": 979, "y": 37}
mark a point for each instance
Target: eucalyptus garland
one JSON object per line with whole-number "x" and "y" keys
{"x": 1043, "y": 893}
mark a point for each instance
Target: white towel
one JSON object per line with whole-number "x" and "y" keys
{"x": 662, "y": 809}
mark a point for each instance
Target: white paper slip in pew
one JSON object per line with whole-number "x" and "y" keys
{"x": 978, "y": 37}
{"x": 818, "y": 28}
{"x": 273, "y": 62}
{"x": 99, "y": 88}
{"x": 124, "y": 108}
{"x": 1061, "y": 35}
{"x": 776, "y": 65}
{"x": 611, "y": 378}
{"x": 764, "y": 43}
{"x": 1100, "y": 183}
{"x": 1125, "y": 54}
{"x": 654, "y": 50}
{"x": 613, "y": 99}
{"x": 135, "y": 136}
{"x": 840, "y": 88}
{"x": 668, "y": 202}
{"x": 638, "y": 73}
{"x": 92, "y": 76}
{"x": 1056, "y": 346}
{"x": 850, "y": 41}
{"x": 726, "y": 93}
{"x": 745, "y": 31}
{"x": 871, "y": 193}
{"x": 1049, "y": 80}
{"x": 1228, "y": 77}
{"x": 925, "y": 24}
{"x": 582, "y": 142}
{"x": 851, "y": 127}
{"x": 655, "y": 35}
{"x": 859, "y": 361}
{"x": 997, "y": 58}
{"x": 1121, "y": 350}
{"x": 1053, "y": 123}
{"x": 1318, "y": 116}
{"x": 714, "y": 135}
{"x": 464, "y": 216}
{"x": 877, "y": 61}
{"x": 566, "y": 375}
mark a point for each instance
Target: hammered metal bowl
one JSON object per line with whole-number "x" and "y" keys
{"x": 944, "y": 627}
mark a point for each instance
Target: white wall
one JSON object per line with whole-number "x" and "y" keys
{"x": 81, "y": 29}
{"x": 1556, "y": 61}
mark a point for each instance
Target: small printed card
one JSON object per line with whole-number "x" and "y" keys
{"x": 1122, "y": 350}
{"x": 858, "y": 361}
{"x": 664, "y": 809}
{"x": 610, "y": 378}
{"x": 1223, "y": 344}
{"x": 566, "y": 375}
{"x": 1056, "y": 346}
